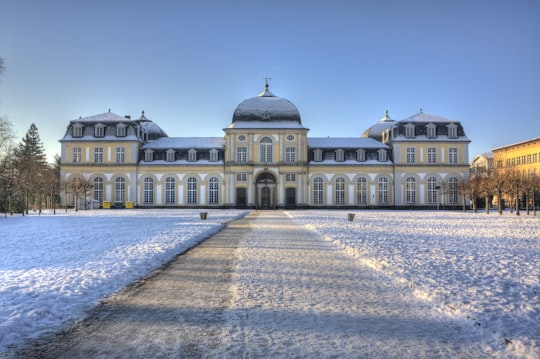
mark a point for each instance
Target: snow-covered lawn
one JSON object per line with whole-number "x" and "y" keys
{"x": 482, "y": 268}
{"x": 54, "y": 267}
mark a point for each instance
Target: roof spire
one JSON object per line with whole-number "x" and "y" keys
{"x": 386, "y": 114}
{"x": 266, "y": 79}
{"x": 421, "y": 110}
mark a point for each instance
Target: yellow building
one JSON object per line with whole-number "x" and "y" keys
{"x": 267, "y": 160}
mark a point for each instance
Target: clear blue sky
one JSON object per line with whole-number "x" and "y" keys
{"x": 188, "y": 64}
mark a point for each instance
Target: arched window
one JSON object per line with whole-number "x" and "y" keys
{"x": 432, "y": 190}
{"x": 265, "y": 150}
{"x": 453, "y": 190}
{"x": 148, "y": 194}
{"x": 383, "y": 190}
{"x": 318, "y": 197}
{"x": 192, "y": 190}
{"x": 410, "y": 190}
{"x": 213, "y": 190}
{"x": 98, "y": 189}
{"x": 361, "y": 191}
{"x": 339, "y": 188}
{"x": 120, "y": 189}
{"x": 170, "y": 190}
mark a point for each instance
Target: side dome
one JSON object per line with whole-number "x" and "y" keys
{"x": 150, "y": 129}
{"x": 376, "y": 131}
{"x": 266, "y": 107}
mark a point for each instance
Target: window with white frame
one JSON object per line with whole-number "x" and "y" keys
{"x": 290, "y": 154}
{"x": 148, "y": 156}
{"x": 213, "y": 155}
{"x": 453, "y": 155}
{"x": 98, "y": 189}
{"x": 121, "y": 130}
{"x": 409, "y": 130}
{"x": 192, "y": 189}
{"x": 317, "y": 155}
{"x": 339, "y": 190}
{"x": 361, "y": 191}
{"x": 265, "y": 150}
{"x": 170, "y": 190}
{"x": 361, "y": 155}
{"x": 241, "y": 177}
{"x": 170, "y": 155}
{"x": 148, "y": 190}
{"x": 120, "y": 155}
{"x": 410, "y": 190}
{"x": 383, "y": 157}
{"x": 241, "y": 154}
{"x": 98, "y": 155}
{"x": 213, "y": 190}
{"x": 78, "y": 130}
{"x": 340, "y": 155}
{"x": 431, "y": 130}
{"x": 77, "y": 155}
{"x": 432, "y": 155}
{"x": 383, "y": 190}
{"x": 290, "y": 177}
{"x": 433, "y": 190}
{"x": 99, "y": 130}
{"x": 411, "y": 155}
{"x": 318, "y": 191}
{"x": 453, "y": 190}
{"x": 192, "y": 155}
{"x": 120, "y": 189}
{"x": 452, "y": 130}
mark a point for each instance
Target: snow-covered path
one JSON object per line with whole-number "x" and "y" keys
{"x": 266, "y": 287}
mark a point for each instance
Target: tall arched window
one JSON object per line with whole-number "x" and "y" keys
{"x": 453, "y": 190}
{"x": 192, "y": 190}
{"x": 432, "y": 190}
{"x": 120, "y": 189}
{"x": 98, "y": 189}
{"x": 410, "y": 190}
{"x": 318, "y": 197}
{"x": 148, "y": 193}
{"x": 361, "y": 191}
{"x": 383, "y": 190}
{"x": 339, "y": 188}
{"x": 265, "y": 150}
{"x": 170, "y": 190}
{"x": 213, "y": 190}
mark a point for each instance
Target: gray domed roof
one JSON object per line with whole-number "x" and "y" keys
{"x": 266, "y": 107}
{"x": 152, "y": 130}
{"x": 377, "y": 129}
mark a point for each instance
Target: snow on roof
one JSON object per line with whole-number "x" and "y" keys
{"x": 266, "y": 106}
{"x": 104, "y": 117}
{"x": 344, "y": 142}
{"x": 426, "y": 117}
{"x": 266, "y": 124}
{"x": 185, "y": 142}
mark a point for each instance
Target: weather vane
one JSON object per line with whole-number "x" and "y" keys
{"x": 266, "y": 79}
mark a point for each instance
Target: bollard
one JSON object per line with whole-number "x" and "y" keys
{"x": 203, "y": 215}
{"x": 350, "y": 216}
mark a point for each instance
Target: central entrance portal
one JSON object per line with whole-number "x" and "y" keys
{"x": 266, "y": 191}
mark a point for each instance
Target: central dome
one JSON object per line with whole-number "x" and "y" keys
{"x": 266, "y": 107}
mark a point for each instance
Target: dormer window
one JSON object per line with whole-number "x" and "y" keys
{"x": 340, "y": 155}
{"x": 192, "y": 155}
{"x": 317, "y": 155}
{"x": 121, "y": 130}
{"x": 409, "y": 130}
{"x": 213, "y": 155}
{"x": 361, "y": 155}
{"x": 78, "y": 130}
{"x": 99, "y": 130}
{"x": 382, "y": 155}
{"x": 431, "y": 130}
{"x": 452, "y": 130}
{"x": 170, "y": 155}
{"x": 148, "y": 156}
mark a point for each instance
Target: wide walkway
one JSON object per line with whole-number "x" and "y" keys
{"x": 263, "y": 287}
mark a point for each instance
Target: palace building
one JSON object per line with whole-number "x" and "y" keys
{"x": 266, "y": 159}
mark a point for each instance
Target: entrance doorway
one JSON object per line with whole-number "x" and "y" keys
{"x": 241, "y": 198}
{"x": 266, "y": 191}
{"x": 290, "y": 198}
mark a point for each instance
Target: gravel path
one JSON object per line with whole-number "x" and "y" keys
{"x": 263, "y": 287}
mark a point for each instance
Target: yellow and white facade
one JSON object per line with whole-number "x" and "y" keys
{"x": 267, "y": 160}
